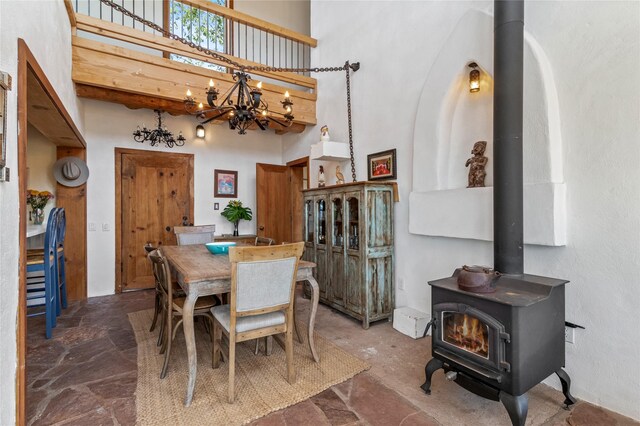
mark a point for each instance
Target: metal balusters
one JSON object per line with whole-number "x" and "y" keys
{"x": 206, "y": 29}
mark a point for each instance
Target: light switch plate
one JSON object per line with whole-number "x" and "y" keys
{"x": 105, "y": 227}
{"x": 216, "y": 206}
{"x": 92, "y": 227}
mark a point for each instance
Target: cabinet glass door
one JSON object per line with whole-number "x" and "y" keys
{"x": 353, "y": 224}
{"x": 338, "y": 227}
{"x": 322, "y": 221}
{"x": 308, "y": 214}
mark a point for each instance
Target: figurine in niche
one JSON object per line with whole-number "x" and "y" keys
{"x": 476, "y": 165}
{"x": 324, "y": 134}
{"x": 339, "y": 176}
{"x": 321, "y": 177}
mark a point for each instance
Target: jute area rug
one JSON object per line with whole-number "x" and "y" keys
{"x": 261, "y": 385}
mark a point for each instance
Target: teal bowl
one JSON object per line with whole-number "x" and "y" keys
{"x": 219, "y": 248}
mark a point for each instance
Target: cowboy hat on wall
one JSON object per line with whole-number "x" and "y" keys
{"x": 71, "y": 171}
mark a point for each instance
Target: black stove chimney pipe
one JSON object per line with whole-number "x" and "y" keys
{"x": 507, "y": 136}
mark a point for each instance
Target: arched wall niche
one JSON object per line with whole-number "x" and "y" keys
{"x": 450, "y": 120}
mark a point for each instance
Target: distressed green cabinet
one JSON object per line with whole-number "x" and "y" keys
{"x": 348, "y": 233}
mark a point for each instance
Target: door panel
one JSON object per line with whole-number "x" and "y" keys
{"x": 336, "y": 239}
{"x": 354, "y": 284}
{"x": 156, "y": 194}
{"x": 321, "y": 205}
{"x": 296, "y": 186}
{"x": 273, "y": 199}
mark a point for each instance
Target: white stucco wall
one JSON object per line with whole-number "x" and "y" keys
{"x": 41, "y": 156}
{"x": 593, "y": 49}
{"x": 222, "y": 149}
{"x": 291, "y": 14}
{"x": 45, "y": 28}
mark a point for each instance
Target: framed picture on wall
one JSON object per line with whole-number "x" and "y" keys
{"x": 382, "y": 165}
{"x": 225, "y": 183}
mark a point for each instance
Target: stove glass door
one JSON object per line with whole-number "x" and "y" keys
{"x": 465, "y": 332}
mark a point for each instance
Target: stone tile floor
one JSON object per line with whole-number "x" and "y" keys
{"x": 86, "y": 375}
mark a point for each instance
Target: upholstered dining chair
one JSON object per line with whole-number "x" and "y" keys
{"x": 189, "y": 235}
{"x": 261, "y": 303}
{"x": 172, "y": 306}
{"x": 45, "y": 294}
{"x": 263, "y": 241}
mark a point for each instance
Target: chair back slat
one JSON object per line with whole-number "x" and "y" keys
{"x": 161, "y": 271}
{"x": 263, "y": 241}
{"x": 50, "y": 233}
{"x": 61, "y": 227}
{"x": 190, "y": 235}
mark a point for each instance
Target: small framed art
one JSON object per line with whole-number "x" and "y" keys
{"x": 382, "y": 165}
{"x": 225, "y": 183}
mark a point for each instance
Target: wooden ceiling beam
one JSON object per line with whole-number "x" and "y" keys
{"x": 130, "y": 100}
{"x": 175, "y": 108}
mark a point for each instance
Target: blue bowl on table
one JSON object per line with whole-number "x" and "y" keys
{"x": 219, "y": 248}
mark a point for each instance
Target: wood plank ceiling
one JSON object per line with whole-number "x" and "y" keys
{"x": 43, "y": 114}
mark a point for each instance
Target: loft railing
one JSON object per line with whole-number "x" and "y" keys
{"x": 119, "y": 60}
{"x": 208, "y": 24}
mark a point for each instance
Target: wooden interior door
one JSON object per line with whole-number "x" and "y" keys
{"x": 298, "y": 180}
{"x": 156, "y": 194}
{"x": 273, "y": 199}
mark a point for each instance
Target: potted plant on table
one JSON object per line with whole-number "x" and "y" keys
{"x": 38, "y": 200}
{"x": 235, "y": 212}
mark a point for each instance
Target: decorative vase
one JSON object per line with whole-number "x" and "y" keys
{"x": 38, "y": 216}
{"x": 235, "y": 228}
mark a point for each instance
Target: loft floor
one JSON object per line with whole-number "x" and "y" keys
{"x": 86, "y": 375}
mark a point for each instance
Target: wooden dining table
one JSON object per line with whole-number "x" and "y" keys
{"x": 201, "y": 273}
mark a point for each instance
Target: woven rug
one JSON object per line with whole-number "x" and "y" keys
{"x": 261, "y": 385}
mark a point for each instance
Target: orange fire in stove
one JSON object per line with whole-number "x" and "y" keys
{"x": 466, "y": 332}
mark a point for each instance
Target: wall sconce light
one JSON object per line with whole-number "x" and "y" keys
{"x": 474, "y": 78}
{"x": 200, "y": 131}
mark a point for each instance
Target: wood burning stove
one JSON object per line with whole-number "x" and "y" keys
{"x": 500, "y": 344}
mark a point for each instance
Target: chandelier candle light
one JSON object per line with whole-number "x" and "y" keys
{"x": 242, "y": 105}
{"x": 159, "y": 135}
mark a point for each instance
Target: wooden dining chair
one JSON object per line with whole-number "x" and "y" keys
{"x": 261, "y": 303}
{"x": 263, "y": 241}
{"x": 60, "y": 259}
{"x": 61, "y": 295}
{"x": 157, "y": 306}
{"x": 172, "y": 306}
{"x": 190, "y": 235}
{"x": 45, "y": 293}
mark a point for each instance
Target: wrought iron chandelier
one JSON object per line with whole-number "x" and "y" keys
{"x": 242, "y": 105}
{"x": 159, "y": 135}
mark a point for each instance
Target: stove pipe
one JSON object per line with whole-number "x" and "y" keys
{"x": 507, "y": 136}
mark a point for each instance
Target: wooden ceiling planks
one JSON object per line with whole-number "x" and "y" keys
{"x": 45, "y": 116}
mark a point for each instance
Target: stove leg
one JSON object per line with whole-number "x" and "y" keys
{"x": 566, "y": 388}
{"x": 517, "y": 407}
{"x": 429, "y": 369}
